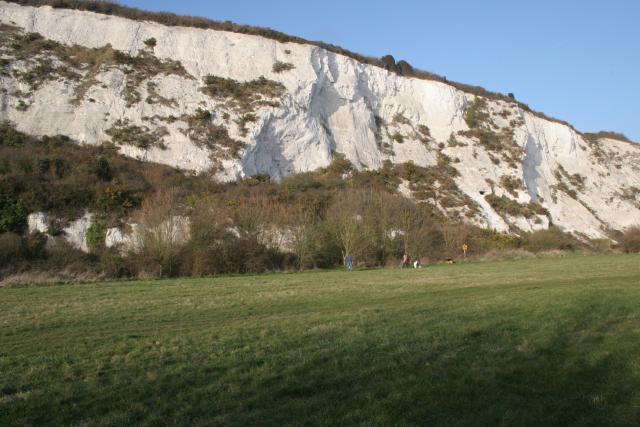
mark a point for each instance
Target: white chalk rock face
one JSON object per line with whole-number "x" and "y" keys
{"x": 37, "y": 223}
{"x": 298, "y": 118}
{"x": 76, "y": 232}
{"x": 126, "y": 238}
{"x": 115, "y": 238}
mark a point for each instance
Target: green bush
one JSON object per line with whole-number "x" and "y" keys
{"x": 202, "y": 115}
{"x": 9, "y": 136}
{"x": 482, "y": 241}
{"x": 595, "y": 137}
{"x": 300, "y": 183}
{"x": 476, "y": 114}
{"x": 242, "y": 123}
{"x": 569, "y": 184}
{"x": 389, "y": 63}
{"x": 102, "y": 169}
{"x": 115, "y": 199}
{"x": 397, "y": 137}
{"x": 96, "y": 235}
{"x": 424, "y": 130}
{"x": 404, "y": 68}
{"x": 13, "y": 214}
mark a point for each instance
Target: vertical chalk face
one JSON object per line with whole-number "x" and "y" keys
{"x": 238, "y": 105}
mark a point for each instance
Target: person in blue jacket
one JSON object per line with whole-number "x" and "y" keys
{"x": 349, "y": 262}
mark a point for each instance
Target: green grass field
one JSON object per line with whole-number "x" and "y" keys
{"x": 550, "y": 341}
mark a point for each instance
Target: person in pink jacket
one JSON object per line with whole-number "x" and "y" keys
{"x": 405, "y": 261}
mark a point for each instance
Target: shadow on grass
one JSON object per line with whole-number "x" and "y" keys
{"x": 500, "y": 370}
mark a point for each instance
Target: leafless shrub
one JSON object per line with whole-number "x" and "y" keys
{"x": 507, "y": 254}
{"x": 161, "y": 234}
{"x": 630, "y": 240}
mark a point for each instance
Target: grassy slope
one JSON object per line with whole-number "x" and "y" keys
{"x": 533, "y": 342}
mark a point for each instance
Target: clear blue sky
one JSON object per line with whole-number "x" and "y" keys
{"x": 575, "y": 60}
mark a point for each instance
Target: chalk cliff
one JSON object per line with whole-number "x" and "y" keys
{"x": 205, "y": 100}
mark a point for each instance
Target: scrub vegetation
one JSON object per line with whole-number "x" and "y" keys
{"x": 570, "y": 184}
{"x": 203, "y": 132}
{"x": 124, "y": 133}
{"x": 54, "y": 175}
{"x": 306, "y": 221}
{"x": 499, "y": 142}
{"x": 35, "y": 60}
{"x": 398, "y": 131}
{"x": 505, "y": 206}
{"x": 244, "y": 97}
{"x": 280, "y": 67}
{"x": 511, "y": 184}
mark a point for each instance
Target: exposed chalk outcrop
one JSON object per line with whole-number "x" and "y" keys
{"x": 330, "y": 104}
{"x": 75, "y": 232}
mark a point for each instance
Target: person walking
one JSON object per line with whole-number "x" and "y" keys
{"x": 349, "y": 263}
{"x": 405, "y": 261}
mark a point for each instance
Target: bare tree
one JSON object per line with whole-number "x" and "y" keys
{"x": 409, "y": 220}
{"x": 161, "y": 232}
{"x": 254, "y": 218}
{"x": 301, "y": 220}
{"x": 209, "y": 225}
{"x": 347, "y": 224}
{"x": 454, "y": 235}
{"x": 384, "y": 210}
